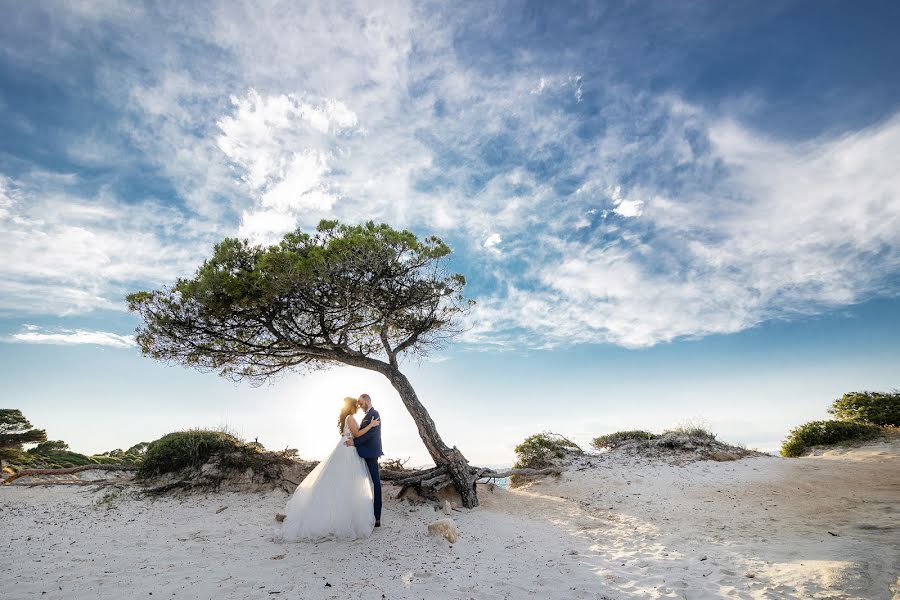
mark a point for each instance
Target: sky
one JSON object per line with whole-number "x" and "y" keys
{"x": 666, "y": 212}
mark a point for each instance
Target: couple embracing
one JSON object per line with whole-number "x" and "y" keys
{"x": 341, "y": 497}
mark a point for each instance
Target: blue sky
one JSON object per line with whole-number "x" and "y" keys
{"x": 665, "y": 211}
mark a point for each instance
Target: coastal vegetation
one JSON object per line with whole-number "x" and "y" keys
{"x": 191, "y": 448}
{"x": 16, "y": 432}
{"x": 615, "y": 439}
{"x": 858, "y": 417}
{"x": 825, "y": 433}
{"x": 540, "y": 451}
{"x": 877, "y": 408}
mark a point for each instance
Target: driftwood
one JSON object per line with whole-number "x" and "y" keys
{"x": 75, "y": 482}
{"x": 428, "y": 482}
{"x": 491, "y": 474}
{"x": 162, "y": 489}
{"x": 67, "y": 471}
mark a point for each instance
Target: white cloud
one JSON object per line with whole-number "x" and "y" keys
{"x": 31, "y": 334}
{"x": 69, "y": 254}
{"x": 791, "y": 230}
{"x": 492, "y": 243}
{"x": 703, "y": 226}
{"x": 282, "y": 146}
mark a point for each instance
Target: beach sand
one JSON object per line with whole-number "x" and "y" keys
{"x": 612, "y": 527}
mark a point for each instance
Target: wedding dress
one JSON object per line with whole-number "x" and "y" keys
{"x": 334, "y": 501}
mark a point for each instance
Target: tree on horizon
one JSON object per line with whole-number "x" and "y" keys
{"x": 15, "y": 432}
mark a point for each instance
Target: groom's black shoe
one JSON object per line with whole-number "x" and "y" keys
{"x": 377, "y": 523}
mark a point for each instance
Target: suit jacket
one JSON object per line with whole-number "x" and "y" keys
{"x": 368, "y": 445}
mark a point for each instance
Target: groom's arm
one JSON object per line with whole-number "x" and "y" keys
{"x": 367, "y": 435}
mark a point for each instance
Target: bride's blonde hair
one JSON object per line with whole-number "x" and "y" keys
{"x": 350, "y": 407}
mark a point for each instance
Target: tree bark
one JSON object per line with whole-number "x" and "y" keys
{"x": 450, "y": 458}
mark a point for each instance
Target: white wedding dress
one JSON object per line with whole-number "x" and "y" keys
{"x": 334, "y": 501}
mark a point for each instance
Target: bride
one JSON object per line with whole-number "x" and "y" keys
{"x": 335, "y": 499}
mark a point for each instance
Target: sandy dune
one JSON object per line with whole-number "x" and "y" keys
{"x": 611, "y": 527}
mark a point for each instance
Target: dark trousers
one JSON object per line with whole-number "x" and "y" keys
{"x": 372, "y": 463}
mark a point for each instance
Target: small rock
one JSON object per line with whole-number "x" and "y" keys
{"x": 445, "y": 527}
{"x": 750, "y": 574}
{"x": 279, "y": 517}
{"x": 278, "y": 556}
{"x": 446, "y": 507}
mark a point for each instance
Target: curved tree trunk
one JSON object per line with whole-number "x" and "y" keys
{"x": 451, "y": 458}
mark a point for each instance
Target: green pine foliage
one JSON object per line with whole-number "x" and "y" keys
{"x": 878, "y": 408}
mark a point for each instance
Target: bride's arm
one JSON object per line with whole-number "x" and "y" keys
{"x": 354, "y": 427}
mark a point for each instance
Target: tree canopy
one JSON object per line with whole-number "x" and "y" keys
{"x": 879, "y": 408}
{"x": 16, "y": 430}
{"x": 353, "y": 294}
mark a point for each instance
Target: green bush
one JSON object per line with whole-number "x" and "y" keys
{"x": 611, "y": 440}
{"x": 818, "y": 433}
{"x": 541, "y": 449}
{"x": 190, "y": 448}
{"x": 878, "y": 408}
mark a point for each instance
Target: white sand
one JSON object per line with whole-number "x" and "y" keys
{"x": 611, "y": 530}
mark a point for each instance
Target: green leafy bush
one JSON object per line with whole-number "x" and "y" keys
{"x": 878, "y": 408}
{"x": 541, "y": 449}
{"x": 190, "y": 448}
{"x": 818, "y": 433}
{"x": 611, "y": 440}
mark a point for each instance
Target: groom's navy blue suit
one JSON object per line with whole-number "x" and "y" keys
{"x": 368, "y": 446}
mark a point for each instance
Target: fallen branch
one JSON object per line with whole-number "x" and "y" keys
{"x": 68, "y": 471}
{"x": 100, "y": 482}
{"x": 491, "y": 474}
{"x": 162, "y": 489}
{"x": 392, "y": 475}
{"x": 421, "y": 476}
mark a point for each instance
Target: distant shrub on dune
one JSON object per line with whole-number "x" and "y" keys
{"x": 543, "y": 449}
{"x": 878, "y": 408}
{"x": 822, "y": 433}
{"x": 611, "y": 440}
{"x": 216, "y": 460}
{"x": 695, "y": 429}
{"x": 540, "y": 451}
{"x": 190, "y": 448}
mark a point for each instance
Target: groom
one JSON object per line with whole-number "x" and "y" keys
{"x": 368, "y": 446}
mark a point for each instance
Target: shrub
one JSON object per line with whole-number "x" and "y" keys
{"x": 817, "y": 433}
{"x": 611, "y": 440}
{"x": 878, "y": 408}
{"x": 190, "y": 448}
{"x": 541, "y": 449}
{"x": 693, "y": 429}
